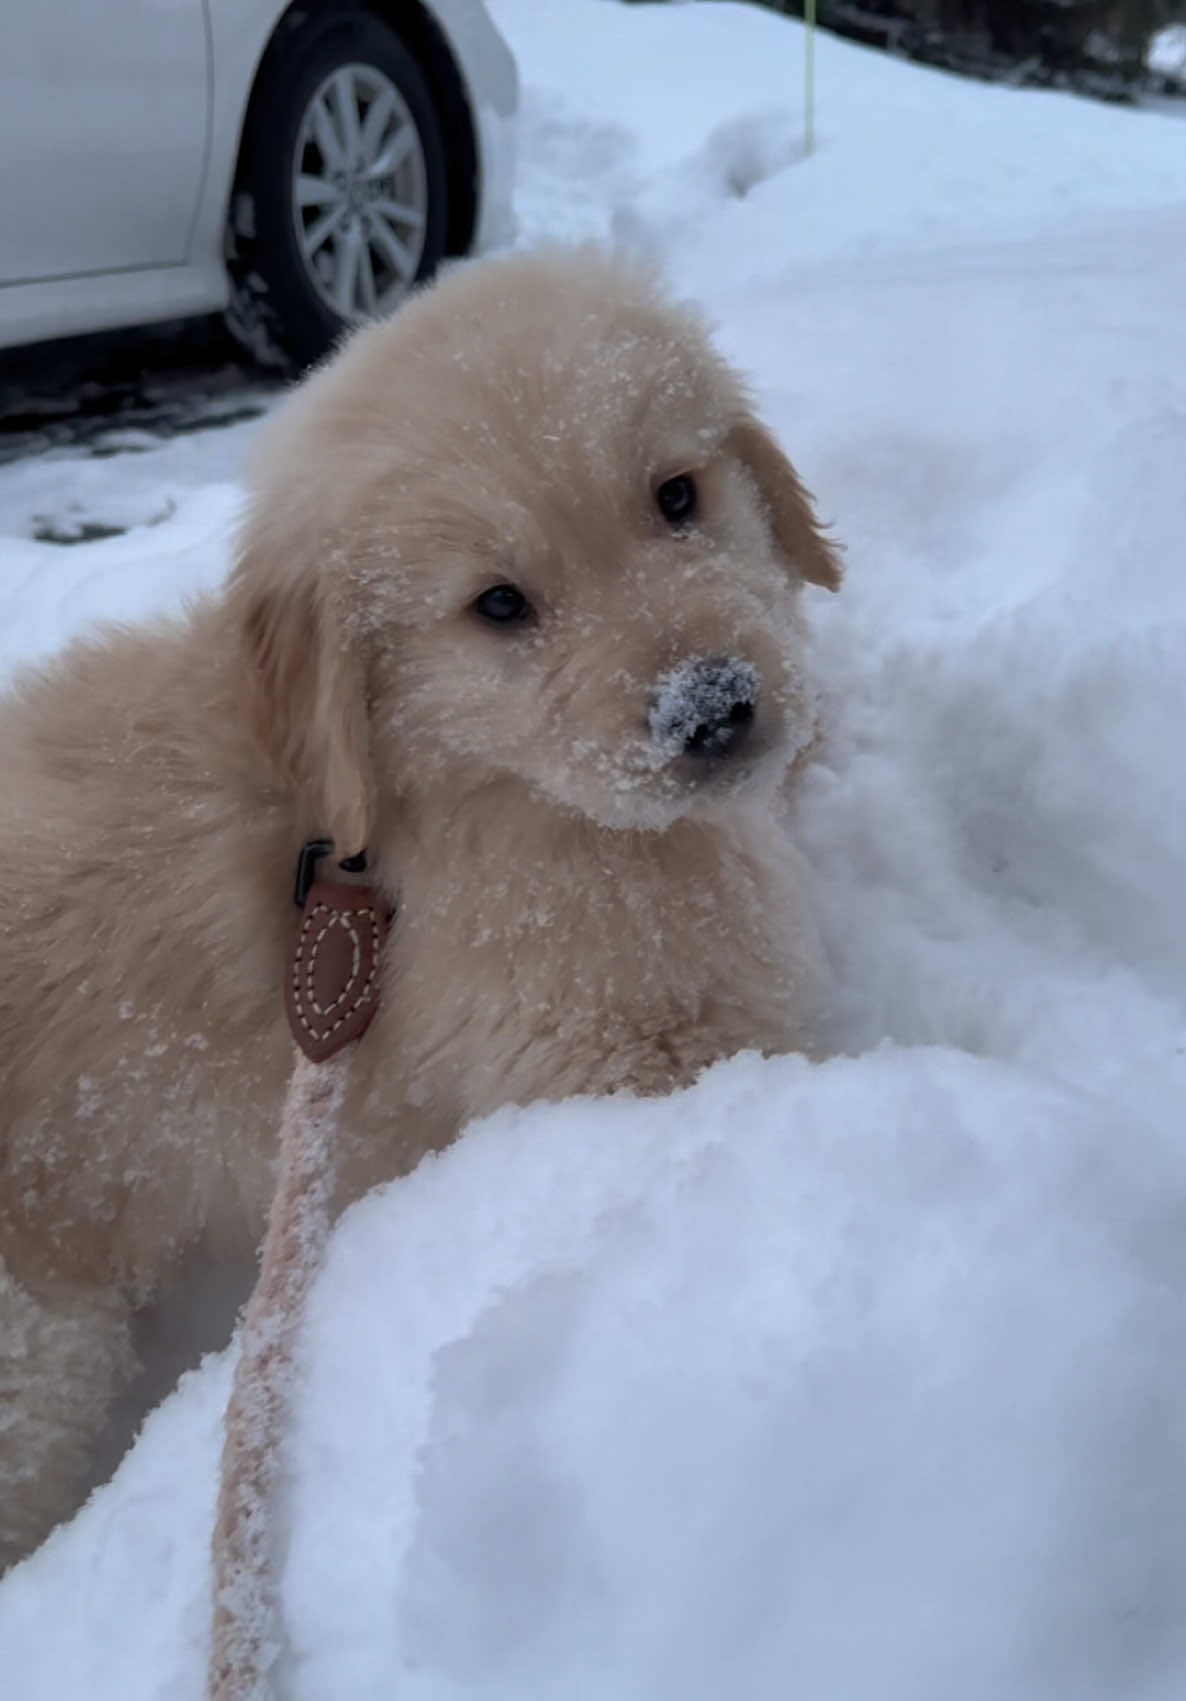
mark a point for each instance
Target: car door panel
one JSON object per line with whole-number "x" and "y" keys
{"x": 103, "y": 130}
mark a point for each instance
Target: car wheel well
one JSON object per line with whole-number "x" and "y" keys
{"x": 421, "y": 34}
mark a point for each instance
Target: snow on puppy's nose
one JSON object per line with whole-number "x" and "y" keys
{"x": 704, "y": 707}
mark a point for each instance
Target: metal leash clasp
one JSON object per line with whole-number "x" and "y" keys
{"x": 311, "y": 854}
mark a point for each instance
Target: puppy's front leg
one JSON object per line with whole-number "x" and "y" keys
{"x": 65, "y": 1354}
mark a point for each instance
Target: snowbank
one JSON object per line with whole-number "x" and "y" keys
{"x": 861, "y": 1380}
{"x": 842, "y": 1383}
{"x": 643, "y": 121}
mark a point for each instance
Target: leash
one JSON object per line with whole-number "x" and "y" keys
{"x": 331, "y": 996}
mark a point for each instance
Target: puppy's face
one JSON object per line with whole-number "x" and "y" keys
{"x": 597, "y": 605}
{"x": 570, "y": 554}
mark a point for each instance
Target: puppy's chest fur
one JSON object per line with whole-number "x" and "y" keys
{"x": 540, "y": 957}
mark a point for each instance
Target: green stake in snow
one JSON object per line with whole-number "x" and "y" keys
{"x": 809, "y": 76}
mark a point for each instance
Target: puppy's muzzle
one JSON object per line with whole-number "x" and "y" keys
{"x": 705, "y": 707}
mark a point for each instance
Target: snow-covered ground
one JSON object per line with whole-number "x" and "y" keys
{"x": 853, "y": 1382}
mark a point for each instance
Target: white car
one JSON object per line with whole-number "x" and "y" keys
{"x": 299, "y": 166}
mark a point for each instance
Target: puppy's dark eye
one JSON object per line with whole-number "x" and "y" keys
{"x": 676, "y": 498}
{"x": 502, "y": 605}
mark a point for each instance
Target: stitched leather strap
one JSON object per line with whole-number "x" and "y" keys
{"x": 332, "y": 991}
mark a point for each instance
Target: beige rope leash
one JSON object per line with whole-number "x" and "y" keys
{"x": 331, "y": 996}
{"x": 246, "y": 1635}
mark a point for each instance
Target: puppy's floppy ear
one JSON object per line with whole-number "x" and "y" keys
{"x": 796, "y": 530}
{"x": 304, "y": 689}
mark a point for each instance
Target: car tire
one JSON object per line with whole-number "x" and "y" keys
{"x": 340, "y": 205}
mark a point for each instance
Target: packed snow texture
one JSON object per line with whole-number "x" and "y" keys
{"x": 845, "y": 1382}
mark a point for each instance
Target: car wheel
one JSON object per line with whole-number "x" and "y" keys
{"x": 340, "y": 203}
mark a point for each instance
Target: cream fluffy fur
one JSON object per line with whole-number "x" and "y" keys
{"x": 578, "y": 909}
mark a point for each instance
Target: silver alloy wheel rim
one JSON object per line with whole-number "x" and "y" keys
{"x": 359, "y": 193}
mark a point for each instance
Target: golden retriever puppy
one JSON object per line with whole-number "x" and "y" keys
{"x": 516, "y": 608}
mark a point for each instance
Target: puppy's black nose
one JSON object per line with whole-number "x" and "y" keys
{"x": 705, "y": 707}
{"x": 718, "y": 734}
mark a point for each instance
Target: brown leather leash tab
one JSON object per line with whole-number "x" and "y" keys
{"x": 332, "y": 990}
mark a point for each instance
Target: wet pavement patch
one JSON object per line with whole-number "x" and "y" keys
{"x": 124, "y": 392}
